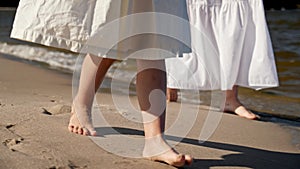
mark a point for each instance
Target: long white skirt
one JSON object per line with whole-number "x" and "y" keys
{"x": 231, "y": 46}
{"x": 106, "y": 27}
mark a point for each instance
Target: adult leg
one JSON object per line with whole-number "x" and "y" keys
{"x": 172, "y": 95}
{"x": 93, "y": 71}
{"x": 233, "y": 104}
{"x": 151, "y": 89}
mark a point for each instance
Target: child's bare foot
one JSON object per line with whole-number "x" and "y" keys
{"x": 239, "y": 109}
{"x": 84, "y": 125}
{"x": 160, "y": 151}
{"x": 173, "y": 158}
{"x": 172, "y": 95}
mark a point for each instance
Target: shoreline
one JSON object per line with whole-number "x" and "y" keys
{"x": 32, "y": 139}
{"x": 267, "y": 115}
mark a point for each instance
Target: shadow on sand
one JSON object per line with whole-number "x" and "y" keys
{"x": 242, "y": 156}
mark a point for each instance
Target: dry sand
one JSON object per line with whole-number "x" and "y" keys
{"x": 31, "y": 138}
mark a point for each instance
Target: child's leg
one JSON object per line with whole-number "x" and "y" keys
{"x": 93, "y": 71}
{"x": 233, "y": 104}
{"x": 151, "y": 89}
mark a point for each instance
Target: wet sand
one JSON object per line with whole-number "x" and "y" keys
{"x": 34, "y": 138}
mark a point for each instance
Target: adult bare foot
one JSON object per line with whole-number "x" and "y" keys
{"x": 84, "y": 125}
{"x": 172, "y": 95}
{"x": 233, "y": 105}
{"x": 159, "y": 150}
{"x": 236, "y": 107}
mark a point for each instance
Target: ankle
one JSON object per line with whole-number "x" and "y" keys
{"x": 231, "y": 99}
{"x": 77, "y": 103}
{"x": 155, "y": 146}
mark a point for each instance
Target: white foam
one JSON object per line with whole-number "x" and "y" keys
{"x": 56, "y": 59}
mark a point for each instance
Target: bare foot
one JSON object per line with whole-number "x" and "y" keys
{"x": 239, "y": 109}
{"x": 172, "y": 95}
{"x": 173, "y": 158}
{"x": 235, "y": 106}
{"x": 84, "y": 126}
{"x": 160, "y": 151}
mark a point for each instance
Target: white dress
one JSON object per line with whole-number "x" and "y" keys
{"x": 101, "y": 27}
{"x": 231, "y": 46}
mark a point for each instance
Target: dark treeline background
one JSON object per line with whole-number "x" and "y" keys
{"x": 269, "y": 4}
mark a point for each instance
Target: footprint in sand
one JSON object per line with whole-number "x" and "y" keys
{"x": 57, "y": 109}
{"x": 10, "y": 143}
{"x": 12, "y": 139}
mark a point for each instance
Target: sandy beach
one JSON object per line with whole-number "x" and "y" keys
{"x": 34, "y": 113}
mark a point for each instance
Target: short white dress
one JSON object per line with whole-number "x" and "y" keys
{"x": 104, "y": 28}
{"x": 231, "y": 46}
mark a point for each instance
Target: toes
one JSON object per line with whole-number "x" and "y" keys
{"x": 243, "y": 112}
{"x": 257, "y": 117}
{"x": 188, "y": 159}
{"x": 173, "y": 158}
{"x": 75, "y": 129}
{"x": 182, "y": 160}
{"x": 80, "y": 131}
{"x": 89, "y": 131}
{"x": 251, "y": 116}
{"x": 70, "y": 127}
{"x": 179, "y": 161}
{"x": 85, "y": 131}
{"x": 246, "y": 113}
{"x": 92, "y": 132}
